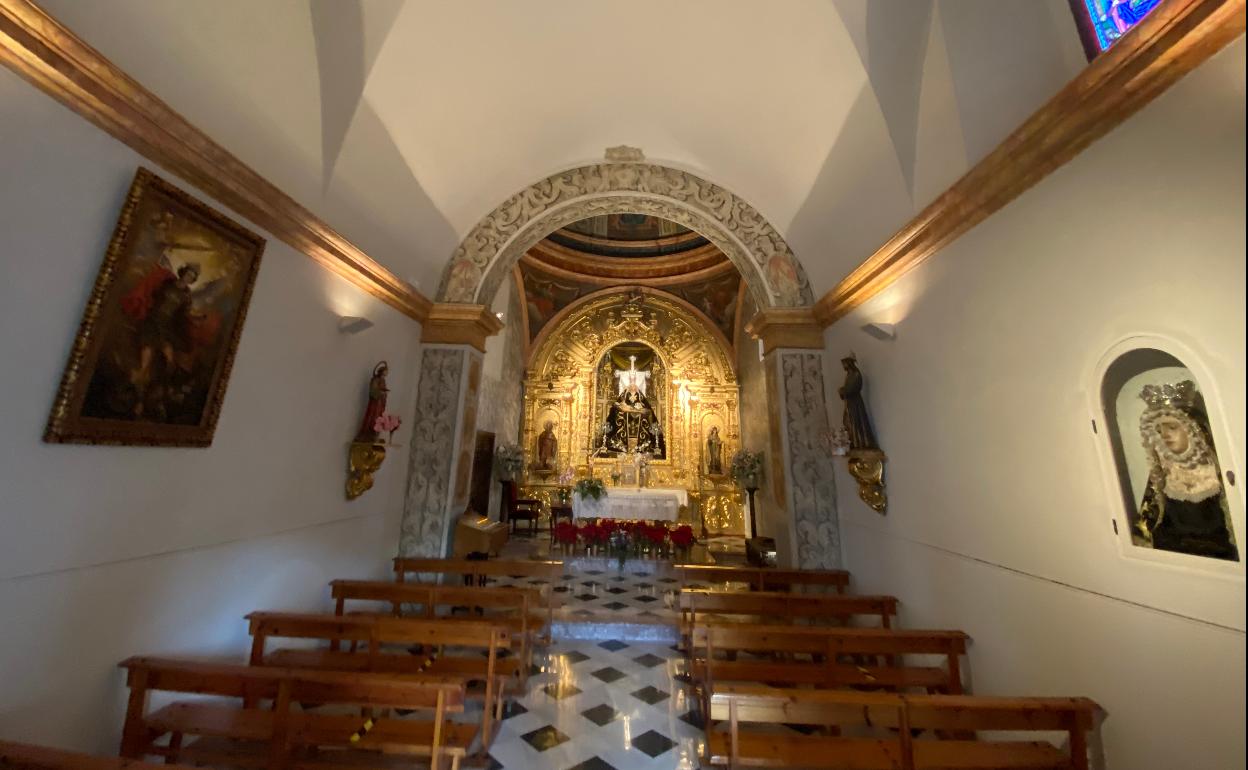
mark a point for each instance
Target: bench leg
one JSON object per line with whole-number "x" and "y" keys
{"x": 175, "y": 746}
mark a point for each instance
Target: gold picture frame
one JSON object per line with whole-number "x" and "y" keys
{"x": 152, "y": 357}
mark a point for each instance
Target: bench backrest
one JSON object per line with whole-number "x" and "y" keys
{"x": 263, "y": 683}
{"x": 26, "y": 756}
{"x": 761, "y": 578}
{"x": 897, "y": 719}
{"x": 828, "y": 640}
{"x": 546, "y": 570}
{"x": 374, "y": 631}
{"x": 432, "y": 597}
{"x": 281, "y": 686}
{"x": 776, "y": 604}
{"x": 884, "y": 645}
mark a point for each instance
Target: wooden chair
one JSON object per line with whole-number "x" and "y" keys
{"x": 889, "y": 732}
{"x": 382, "y": 645}
{"x": 778, "y": 608}
{"x": 762, "y": 578}
{"x": 279, "y": 736}
{"x": 520, "y": 508}
{"x": 519, "y": 610}
{"x": 477, "y": 572}
{"x": 825, "y": 658}
{"x": 26, "y": 756}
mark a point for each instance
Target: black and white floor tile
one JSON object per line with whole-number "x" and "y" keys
{"x": 602, "y": 705}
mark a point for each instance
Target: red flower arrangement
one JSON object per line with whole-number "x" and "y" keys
{"x": 565, "y": 533}
{"x": 682, "y": 536}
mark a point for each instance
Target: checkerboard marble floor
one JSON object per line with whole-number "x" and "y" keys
{"x": 598, "y": 705}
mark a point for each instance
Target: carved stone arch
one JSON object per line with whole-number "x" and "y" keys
{"x": 485, "y": 256}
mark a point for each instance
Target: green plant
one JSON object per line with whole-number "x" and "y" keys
{"x": 592, "y": 489}
{"x": 747, "y": 467}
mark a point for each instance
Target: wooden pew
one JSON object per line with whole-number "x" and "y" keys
{"x": 762, "y": 578}
{"x": 870, "y": 658}
{"x": 26, "y": 756}
{"x": 476, "y": 572}
{"x": 510, "y": 607}
{"x": 279, "y": 736}
{"x": 880, "y": 731}
{"x": 367, "y": 634}
{"x": 775, "y": 608}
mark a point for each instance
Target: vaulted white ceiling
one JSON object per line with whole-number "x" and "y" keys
{"x": 403, "y": 122}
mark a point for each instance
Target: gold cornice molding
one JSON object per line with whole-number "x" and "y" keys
{"x": 449, "y": 323}
{"x": 48, "y": 55}
{"x": 1170, "y": 42}
{"x": 786, "y": 327}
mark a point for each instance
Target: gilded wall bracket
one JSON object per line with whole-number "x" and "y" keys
{"x": 867, "y": 468}
{"x": 363, "y": 460}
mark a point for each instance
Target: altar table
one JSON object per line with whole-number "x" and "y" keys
{"x": 632, "y": 504}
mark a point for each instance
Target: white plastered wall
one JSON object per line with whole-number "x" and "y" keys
{"x": 107, "y": 552}
{"x": 1000, "y": 517}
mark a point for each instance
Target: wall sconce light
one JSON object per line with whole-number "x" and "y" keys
{"x": 886, "y": 332}
{"x": 499, "y": 315}
{"x": 350, "y": 324}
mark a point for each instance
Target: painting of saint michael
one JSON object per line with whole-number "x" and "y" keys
{"x": 153, "y": 354}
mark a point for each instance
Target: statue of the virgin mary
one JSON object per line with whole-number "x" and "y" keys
{"x": 632, "y": 423}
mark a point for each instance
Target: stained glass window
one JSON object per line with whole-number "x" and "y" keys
{"x": 1102, "y": 22}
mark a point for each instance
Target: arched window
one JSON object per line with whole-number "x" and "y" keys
{"x": 1171, "y": 480}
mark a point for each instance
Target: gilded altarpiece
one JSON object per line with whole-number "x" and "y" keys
{"x": 690, "y": 389}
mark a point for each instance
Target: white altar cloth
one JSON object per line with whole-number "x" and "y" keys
{"x": 624, "y": 503}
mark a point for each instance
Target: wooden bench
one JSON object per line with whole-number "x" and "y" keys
{"x": 26, "y": 756}
{"x": 775, "y": 608}
{"x": 476, "y": 572}
{"x": 509, "y": 607}
{"x": 761, "y": 578}
{"x": 868, "y": 658}
{"x": 369, "y": 635}
{"x": 281, "y": 735}
{"x": 887, "y": 732}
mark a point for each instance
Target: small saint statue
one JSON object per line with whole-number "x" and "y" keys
{"x": 547, "y": 448}
{"x": 857, "y": 421}
{"x": 377, "y": 391}
{"x": 714, "y": 453}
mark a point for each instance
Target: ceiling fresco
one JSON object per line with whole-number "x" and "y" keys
{"x": 545, "y": 294}
{"x": 627, "y": 236}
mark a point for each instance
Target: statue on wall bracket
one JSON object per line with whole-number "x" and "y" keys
{"x": 368, "y": 448}
{"x": 864, "y": 457}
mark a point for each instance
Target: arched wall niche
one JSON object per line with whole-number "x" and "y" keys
{"x": 486, "y": 255}
{"x": 699, "y": 388}
{"x": 1169, "y": 465}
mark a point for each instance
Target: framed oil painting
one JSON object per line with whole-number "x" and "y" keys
{"x": 1169, "y": 472}
{"x": 152, "y": 358}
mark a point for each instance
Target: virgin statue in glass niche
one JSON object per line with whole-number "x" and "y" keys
{"x": 632, "y": 423}
{"x": 1184, "y": 506}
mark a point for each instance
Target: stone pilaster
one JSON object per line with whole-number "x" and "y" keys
{"x": 802, "y": 479}
{"x": 444, "y": 426}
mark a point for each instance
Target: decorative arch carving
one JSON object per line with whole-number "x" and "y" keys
{"x": 486, "y": 255}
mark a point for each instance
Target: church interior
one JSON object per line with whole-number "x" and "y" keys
{"x": 826, "y": 384}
